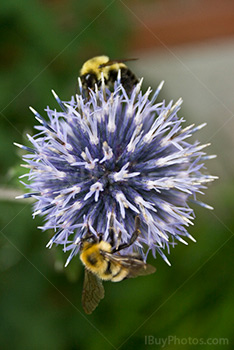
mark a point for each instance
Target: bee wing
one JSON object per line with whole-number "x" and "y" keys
{"x": 110, "y": 62}
{"x": 93, "y": 292}
{"x": 135, "y": 266}
{"x": 141, "y": 269}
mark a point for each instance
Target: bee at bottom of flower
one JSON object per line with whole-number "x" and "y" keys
{"x": 102, "y": 261}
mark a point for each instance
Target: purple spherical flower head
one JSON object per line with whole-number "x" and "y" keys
{"x": 116, "y": 155}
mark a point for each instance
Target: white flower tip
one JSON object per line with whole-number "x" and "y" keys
{"x": 54, "y": 94}
{"x": 67, "y": 262}
{"x": 168, "y": 262}
{"x": 161, "y": 85}
{"x": 79, "y": 81}
{"x": 32, "y": 110}
{"x": 39, "y": 120}
{"x": 179, "y": 102}
{"x": 20, "y": 197}
{"x": 17, "y": 145}
{"x": 37, "y": 212}
{"x": 182, "y": 241}
{"x": 202, "y": 125}
{"x": 49, "y": 244}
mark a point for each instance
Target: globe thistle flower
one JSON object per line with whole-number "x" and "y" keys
{"x": 116, "y": 155}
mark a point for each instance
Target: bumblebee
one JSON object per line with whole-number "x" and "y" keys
{"x": 91, "y": 73}
{"x": 102, "y": 261}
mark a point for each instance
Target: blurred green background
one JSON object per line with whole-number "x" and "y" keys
{"x": 43, "y": 45}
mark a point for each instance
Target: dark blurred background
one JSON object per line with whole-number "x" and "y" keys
{"x": 190, "y": 45}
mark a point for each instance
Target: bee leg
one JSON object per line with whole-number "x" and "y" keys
{"x": 112, "y": 235}
{"x": 89, "y": 234}
{"x": 111, "y": 230}
{"x": 118, "y": 239}
{"x": 132, "y": 239}
{"x": 100, "y": 237}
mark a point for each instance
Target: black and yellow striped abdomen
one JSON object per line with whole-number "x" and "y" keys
{"x": 94, "y": 259}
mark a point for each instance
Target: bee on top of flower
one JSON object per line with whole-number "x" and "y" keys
{"x": 116, "y": 155}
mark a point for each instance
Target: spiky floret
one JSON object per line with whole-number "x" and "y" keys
{"x": 116, "y": 155}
